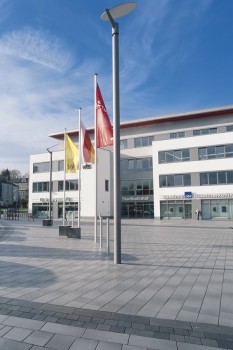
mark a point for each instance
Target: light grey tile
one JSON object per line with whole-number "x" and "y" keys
{"x": 63, "y": 329}
{"x": 60, "y": 342}
{"x": 107, "y": 346}
{"x": 23, "y": 323}
{"x": 84, "y": 344}
{"x": 18, "y": 333}
{"x": 152, "y": 343}
{"x": 7, "y": 344}
{"x": 106, "y": 336}
{"x": 39, "y": 338}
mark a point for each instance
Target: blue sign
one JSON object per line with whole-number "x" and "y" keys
{"x": 188, "y": 194}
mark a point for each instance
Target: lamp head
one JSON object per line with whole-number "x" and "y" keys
{"x": 119, "y": 10}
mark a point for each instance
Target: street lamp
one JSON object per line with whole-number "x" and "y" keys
{"x": 50, "y": 182}
{"x": 111, "y": 14}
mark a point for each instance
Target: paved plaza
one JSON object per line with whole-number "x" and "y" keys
{"x": 173, "y": 290}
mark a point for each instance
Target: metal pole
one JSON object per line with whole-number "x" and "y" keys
{"x": 107, "y": 235}
{"x": 50, "y": 183}
{"x": 116, "y": 145}
{"x": 79, "y": 170}
{"x": 101, "y": 230}
{"x": 96, "y": 165}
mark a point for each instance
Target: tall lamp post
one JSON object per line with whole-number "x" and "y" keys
{"x": 50, "y": 183}
{"x": 110, "y": 15}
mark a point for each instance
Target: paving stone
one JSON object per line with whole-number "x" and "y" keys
{"x": 4, "y": 330}
{"x": 212, "y": 335}
{"x": 63, "y": 329}
{"x": 15, "y": 313}
{"x": 84, "y": 344}
{"x": 132, "y": 331}
{"x": 107, "y": 346}
{"x": 209, "y": 342}
{"x": 193, "y": 340}
{"x": 129, "y": 347}
{"x": 76, "y": 323}
{"x": 106, "y": 336}
{"x": 60, "y": 342}
{"x": 152, "y": 343}
{"x": 111, "y": 322}
{"x": 117, "y": 329}
{"x": 85, "y": 318}
{"x": 49, "y": 318}
{"x": 38, "y": 338}
{"x": 181, "y": 331}
{"x": 23, "y": 323}
{"x": 72, "y": 317}
{"x": 62, "y": 321}
{"x": 98, "y": 320}
{"x": 145, "y": 333}
{"x": 178, "y": 338}
{"x": 26, "y": 315}
{"x": 152, "y": 328}
{"x": 161, "y": 335}
{"x": 18, "y": 334}
{"x": 7, "y": 344}
{"x": 103, "y": 327}
{"x": 39, "y": 317}
{"x": 124, "y": 324}
{"x": 138, "y": 325}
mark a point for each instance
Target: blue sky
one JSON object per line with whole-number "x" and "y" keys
{"x": 175, "y": 56}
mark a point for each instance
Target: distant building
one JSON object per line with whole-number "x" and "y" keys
{"x": 23, "y": 185}
{"x": 172, "y": 166}
{"x": 9, "y": 194}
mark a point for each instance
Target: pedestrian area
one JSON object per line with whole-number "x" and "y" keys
{"x": 173, "y": 289}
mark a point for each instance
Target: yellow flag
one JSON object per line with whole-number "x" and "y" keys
{"x": 72, "y": 156}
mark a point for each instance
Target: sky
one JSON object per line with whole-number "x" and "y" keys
{"x": 175, "y": 56}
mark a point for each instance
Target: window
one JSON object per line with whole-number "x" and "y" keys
{"x": 40, "y": 187}
{"x": 139, "y": 187}
{"x": 216, "y": 178}
{"x": 143, "y": 141}
{"x": 60, "y": 165}
{"x": 175, "y": 180}
{"x": 174, "y": 156}
{"x": 106, "y": 185}
{"x": 204, "y": 131}
{"x": 41, "y": 167}
{"x": 71, "y": 185}
{"x": 213, "y": 152}
{"x": 229, "y": 128}
{"x": 140, "y": 164}
{"x": 177, "y": 135}
{"x": 123, "y": 144}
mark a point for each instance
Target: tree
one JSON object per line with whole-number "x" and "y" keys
{"x": 10, "y": 175}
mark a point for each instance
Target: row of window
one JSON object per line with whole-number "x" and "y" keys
{"x": 138, "y": 142}
{"x": 208, "y": 178}
{"x": 138, "y": 187}
{"x": 213, "y": 152}
{"x": 174, "y": 156}
{"x": 183, "y": 155}
{"x": 71, "y": 185}
{"x": 140, "y": 164}
{"x": 44, "y": 167}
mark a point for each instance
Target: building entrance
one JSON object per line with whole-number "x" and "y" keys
{"x": 176, "y": 209}
{"x": 137, "y": 210}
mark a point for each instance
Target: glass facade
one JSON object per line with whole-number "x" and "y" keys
{"x": 215, "y": 152}
{"x": 174, "y": 156}
{"x": 217, "y": 209}
{"x": 177, "y": 209}
{"x": 205, "y": 131}
{"x": 137, "y": 210}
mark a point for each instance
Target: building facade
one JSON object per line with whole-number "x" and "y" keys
{"x": 172, "y": 166}
{"x": 9, "y": 194}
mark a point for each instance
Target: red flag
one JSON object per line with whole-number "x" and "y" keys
{"x": 88, "y": 151}
{"x": 104, "y": 132}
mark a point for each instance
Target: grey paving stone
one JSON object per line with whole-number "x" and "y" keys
{"x": 49, "y": 318}
{"x": 117, "y": 329}
{"x": 91, "y": 325}
{"x": 35, "y": 347}
{"x": 18, "y": 334}
{"x": 152, "y": 343}
{"x": 103, "y": 327}
{"x": 84, "y": 344}
{"x": 106, "y": 336}
{"x": 26, "y": 315}
{"x": 7, "y": 344}
{"x": 111, "y": 322}
{"x": 178, "y": 338}
{"x": 4, "y": 330}
{"x": 107, "y": 346}
{"x": 39, "y": 317}
{"x": 76, "y": 323}
{"x": 186, "y": 346}
{"x": 15, "y": 313}
{"x": 23, "y": 323}
{"x": 193, "y": 340}
{"x": 209, "y": 342}
{"x": 145, "y": 333}
{"x": 60, "y": 342}
{"x": 161, "y": 335}
{"x": 129, "y": 347}
{"x": 38, "y": 338}
{"x": 62, "y": 321}
{"x": 63, "y": 329}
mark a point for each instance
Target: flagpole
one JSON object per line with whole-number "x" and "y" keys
{"x": 64, "y": 182}
{"x": 79, "y": 169}
{"x": 96, "y": 163}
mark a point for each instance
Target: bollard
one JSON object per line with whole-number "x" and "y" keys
{"x": 101, "y": 224}
{"x": 107, "y": 222}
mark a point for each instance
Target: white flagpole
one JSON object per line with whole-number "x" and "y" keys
{"x": 64, "y": 181}
{"x": 79, "y": 168}
{"x": 96, "y": 169}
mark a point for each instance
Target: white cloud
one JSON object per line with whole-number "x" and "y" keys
{"x": 38, "y": 47}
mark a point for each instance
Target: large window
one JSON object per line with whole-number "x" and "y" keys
{"x": 175, "y": 180}
{"x": 229, "y": 128}
{"x": 136, "y": 187}
{"x": 213, "y": 152}
{"x": 41, "y": 167}
{"x": 71, "y": 185}
{"x": 143, "y": 141}
{"x": 174, "y": 156}
{"x": 177, "y": 135}
{"x": 40, "y": 187}
{"x": 139, "y": 164}
{"x": 216, "y": 178}
{"x": 205, "y": 131}
{"x": 123, "y": 144}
